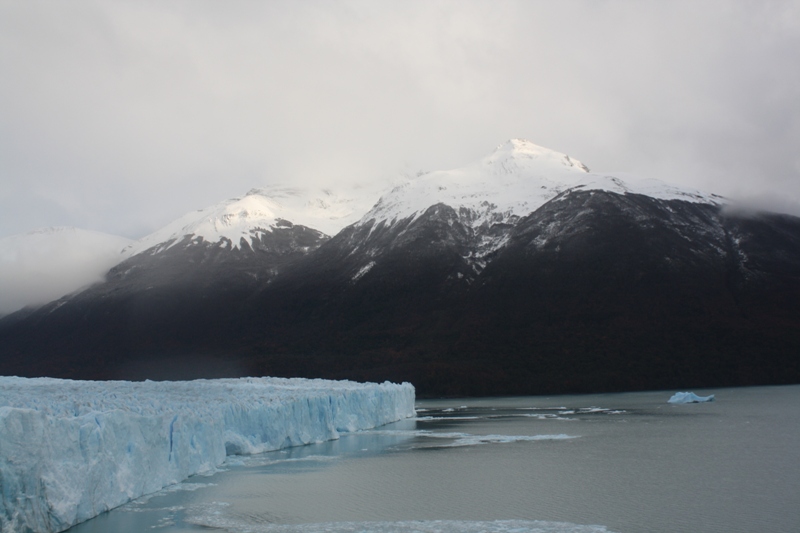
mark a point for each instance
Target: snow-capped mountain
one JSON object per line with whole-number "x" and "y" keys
{"x": 42, "y": 265}
{"x": 239, "y": 243}
{"x": 489, "y": 196}
{"x": 511, "y": 182}
{"x": 520, "y": 273}
{"x": 246, "y": 219}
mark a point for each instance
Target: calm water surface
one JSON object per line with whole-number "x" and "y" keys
{"x": 589, "y": 463}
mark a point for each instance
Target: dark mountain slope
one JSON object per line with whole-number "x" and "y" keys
{"x": 592, "y": 291}
{"x": 637, "y": 293}
{"x": 160, "y": 311}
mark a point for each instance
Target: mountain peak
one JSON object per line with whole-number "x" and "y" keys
{"x": 511, "y": 182}
{"x": 526, "y": 153}
{"x": 262, "y": 209}
{"x": 522, "y": 145}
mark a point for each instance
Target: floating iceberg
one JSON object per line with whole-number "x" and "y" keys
{"x": 689, "y": 397}
{"x": 70, "y": 450}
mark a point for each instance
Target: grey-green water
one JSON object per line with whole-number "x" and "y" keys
{"x": 622, "y": 462}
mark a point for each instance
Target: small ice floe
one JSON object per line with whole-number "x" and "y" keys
{"x": 218, "y": 516}
{"x": 429, "y": 418}
{"x": 465, "y": 439}
{"x": 689, "y": 397}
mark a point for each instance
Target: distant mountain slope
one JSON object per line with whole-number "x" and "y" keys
{"x": 592, "y": 291}
{"x": 42, "y": 265}
{"x": 522, "y": 273}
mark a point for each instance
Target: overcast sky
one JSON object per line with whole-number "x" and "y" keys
{"x": 121, "y": 116}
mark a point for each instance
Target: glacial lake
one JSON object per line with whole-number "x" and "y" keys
{"x": 584, "y": 463}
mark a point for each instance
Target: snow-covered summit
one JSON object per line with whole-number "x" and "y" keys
{"x": 511, "y": 182}
{"x": 521, "y": 153}
{"x": 261, "y": 210}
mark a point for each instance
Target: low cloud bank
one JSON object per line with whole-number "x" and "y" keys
{"x": 764, "y": 203}
{"x": 43, "y": 265}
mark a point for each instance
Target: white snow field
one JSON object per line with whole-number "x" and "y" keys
{"x": 262, "y": 210}
{"x": 70, "y": 450}
{"x": 512, "y": 182}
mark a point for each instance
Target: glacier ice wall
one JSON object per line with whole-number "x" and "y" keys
{"x": 70, "y": 450}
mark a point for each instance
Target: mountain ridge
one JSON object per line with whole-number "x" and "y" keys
{"x": 588, "y": 284}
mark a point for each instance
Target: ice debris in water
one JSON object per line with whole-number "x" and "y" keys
{"x": 70, "y": 450}
{"x": 689, "y": 397}
{"x": 214, "y": 517}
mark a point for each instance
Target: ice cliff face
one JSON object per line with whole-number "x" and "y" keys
{"x": 70, "y": 450}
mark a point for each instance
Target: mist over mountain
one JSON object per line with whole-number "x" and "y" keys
{"x": 521, "y": 273}
{"x": 42, "y": 265}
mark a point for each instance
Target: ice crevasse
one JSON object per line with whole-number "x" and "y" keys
{"x": 70, "y": 450}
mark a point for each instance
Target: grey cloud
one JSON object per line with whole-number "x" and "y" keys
{"x": 122, "y": 116}
{"x": 41, "y": 266}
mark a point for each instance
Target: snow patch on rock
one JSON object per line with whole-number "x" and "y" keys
{"x": 363, "y": 270}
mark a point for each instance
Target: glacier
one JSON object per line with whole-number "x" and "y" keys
{"x": 70, "y": 450}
